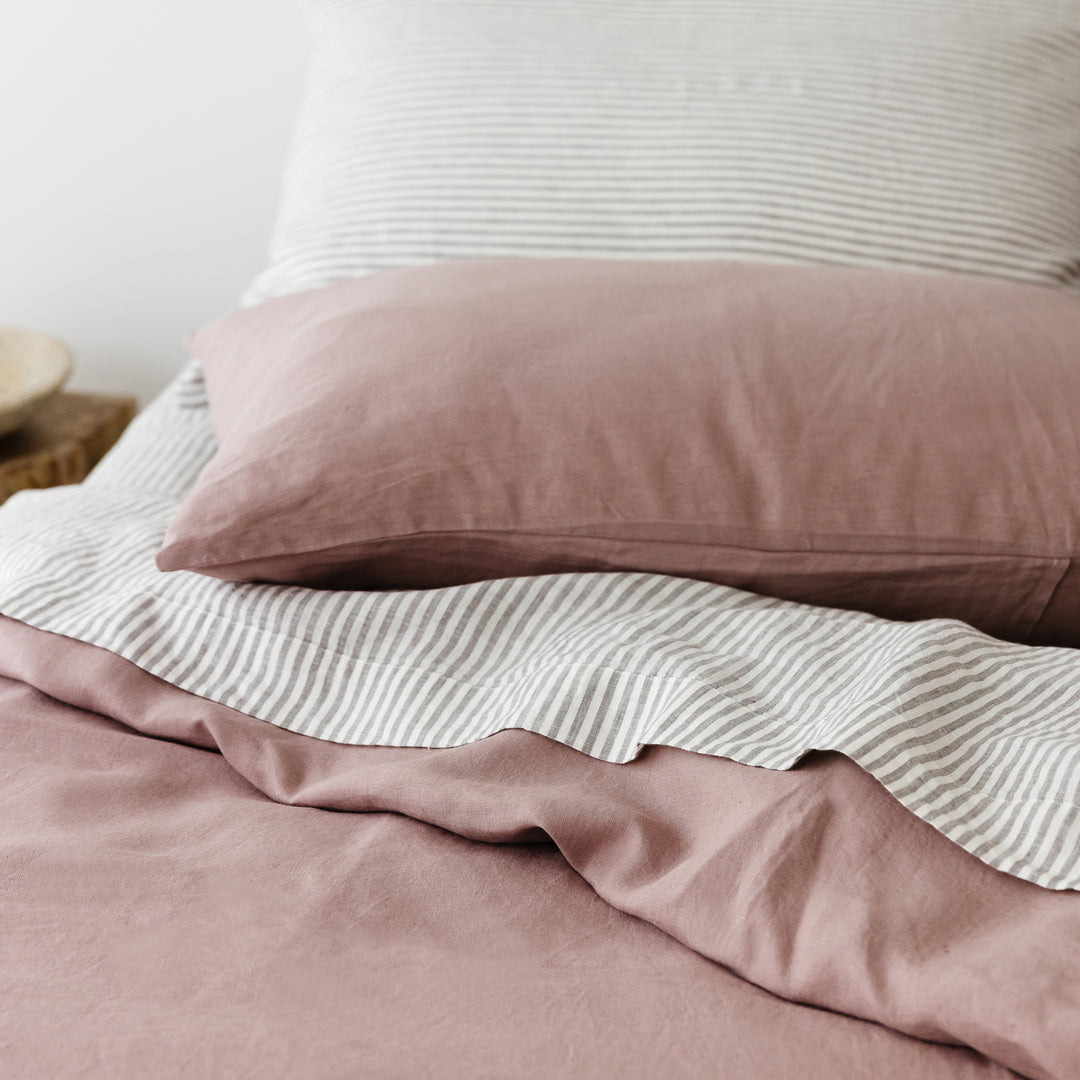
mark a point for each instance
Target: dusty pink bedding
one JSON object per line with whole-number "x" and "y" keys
{"x": 887, "y": 442}
{"x": 185, "y": 891}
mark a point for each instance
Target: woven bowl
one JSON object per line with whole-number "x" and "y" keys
{"x": 33, "y": 367}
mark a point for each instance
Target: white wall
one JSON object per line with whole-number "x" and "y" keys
{"x": 141, "y": 145}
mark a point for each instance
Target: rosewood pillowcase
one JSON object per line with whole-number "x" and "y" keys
{"x": 900, "y": 443}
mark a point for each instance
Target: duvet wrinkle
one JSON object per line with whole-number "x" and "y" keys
{"x": 615, "y": 825}
{"x": 653, "y": 640}
{"x": 676, "y": 839}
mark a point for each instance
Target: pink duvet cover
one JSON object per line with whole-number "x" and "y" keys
{"x": 188, "y": 892}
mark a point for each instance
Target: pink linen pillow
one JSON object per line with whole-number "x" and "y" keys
{"x": 899, "y": 443}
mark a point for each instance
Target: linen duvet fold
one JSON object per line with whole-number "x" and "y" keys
{"x": 253, "y": 830}
{"x": 979, "y": 737}
{"x": 813, "y": 884}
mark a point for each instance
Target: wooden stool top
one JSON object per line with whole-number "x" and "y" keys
{"x": 65, "y": 439}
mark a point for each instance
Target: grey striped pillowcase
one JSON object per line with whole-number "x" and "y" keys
{"x": 927, "y": 134}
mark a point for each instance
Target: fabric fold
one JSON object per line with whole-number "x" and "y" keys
{"x": 812, "y": 883}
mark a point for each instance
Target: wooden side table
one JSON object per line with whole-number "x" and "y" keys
{"x": 66, "y": 438}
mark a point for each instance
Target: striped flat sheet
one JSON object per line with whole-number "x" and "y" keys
{"x": 979, "y": 738}
{"x": 929, "y": 134}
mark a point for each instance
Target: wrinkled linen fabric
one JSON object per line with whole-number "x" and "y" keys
{"x": 178, "y": 900}
{"x": 979, "y": 737}
{"x": 902, "y": 444}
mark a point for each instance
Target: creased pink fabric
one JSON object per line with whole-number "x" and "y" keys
{"x": 903, "y": 444}
{"x": 170, "y": 911}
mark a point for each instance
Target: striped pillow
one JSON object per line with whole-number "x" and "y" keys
{"x": 929, "y": 134}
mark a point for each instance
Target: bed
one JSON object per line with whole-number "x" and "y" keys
{"x": 403, "y": 697}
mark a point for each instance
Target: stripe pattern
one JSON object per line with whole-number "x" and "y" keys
{"x": 926, "y": 134}
{"x": 978, "y": 737}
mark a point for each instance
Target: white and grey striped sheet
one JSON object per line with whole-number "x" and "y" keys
{"x": 930, "y": 134}
{"x": 978, "y": 737}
